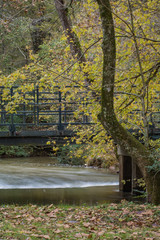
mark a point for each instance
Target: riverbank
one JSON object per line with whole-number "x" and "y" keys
{"x": 72, "y": 155}
{"x": 125, "y": 220}
{"x": 25, "y": 151}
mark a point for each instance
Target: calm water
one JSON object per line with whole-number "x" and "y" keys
{"x": 37, "y": 180}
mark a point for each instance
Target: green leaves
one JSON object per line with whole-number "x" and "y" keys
{"x": 155, "y": 167}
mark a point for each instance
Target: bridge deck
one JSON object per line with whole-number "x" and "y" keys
{"x": 38, "y": 138}
{"x": 23, "y": 112}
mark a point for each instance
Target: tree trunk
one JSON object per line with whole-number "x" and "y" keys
{"x": 121, "y": 136}
{"x": 73, "y": 41}
{"x": 37, "y": 34}
{"x": 72, "y": 38}
{"x": 153, "y": 187}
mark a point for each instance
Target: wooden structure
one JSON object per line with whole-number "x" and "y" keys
{"x": 128, "y": 172}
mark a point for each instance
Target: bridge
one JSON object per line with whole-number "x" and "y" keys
{"x": 35, "y": 116}
{"x": 38, "y": 114}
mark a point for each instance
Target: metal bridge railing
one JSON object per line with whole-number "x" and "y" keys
{"x": 40, "y": 108}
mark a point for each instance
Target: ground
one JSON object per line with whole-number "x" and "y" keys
{"x": 125, "y": 220}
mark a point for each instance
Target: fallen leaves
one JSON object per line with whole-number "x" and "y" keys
{"x": 41, "y": 236}
{"x": 114, "y": 221}
{"x": 86, "y": 224}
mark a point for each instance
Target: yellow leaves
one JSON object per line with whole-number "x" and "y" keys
{"x": 78, "y": 141}
{"x": 63, "y": 37}
{"x": 32, "y": 56}
{"x": 55, "y": 149}
{"x": 23, "y": 77}
{"x": 152, "y": 4}
{"x": 65, "y": 70}
{"x": 128, "y": 63}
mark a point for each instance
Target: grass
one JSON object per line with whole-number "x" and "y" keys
{"x": 125, "y": 220}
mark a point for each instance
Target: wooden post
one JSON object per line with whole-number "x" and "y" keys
{"x": 125, "y": 171}
{"x": 137, "y": 175}
{"x": 128, "y": 172}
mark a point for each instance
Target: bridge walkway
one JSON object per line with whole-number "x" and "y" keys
{"x": 38, "y": 115}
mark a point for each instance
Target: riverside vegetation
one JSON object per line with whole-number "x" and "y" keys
{"x": 68, "y": 154}
{"x": 125, "y": 220}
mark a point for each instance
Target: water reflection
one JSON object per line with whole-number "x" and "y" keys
{"x": 77, "y": 196}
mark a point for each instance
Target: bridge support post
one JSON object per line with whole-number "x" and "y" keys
{"x": 128, "y": 172}
{"x": 125, "y": 171}
{"x": 12, "y": 129}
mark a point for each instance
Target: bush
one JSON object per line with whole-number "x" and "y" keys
{"x": 68, "y": 155}
{"x": 15, "y": 151}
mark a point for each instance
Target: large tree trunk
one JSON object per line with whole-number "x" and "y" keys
{"x": 121, "y": 136}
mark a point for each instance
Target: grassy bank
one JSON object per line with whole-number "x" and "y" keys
{"x": 114, "y": 221}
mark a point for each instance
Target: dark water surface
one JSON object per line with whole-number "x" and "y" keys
{"x": 37, "y": 180}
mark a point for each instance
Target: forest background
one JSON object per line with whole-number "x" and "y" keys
{"x": 37, "y": 48}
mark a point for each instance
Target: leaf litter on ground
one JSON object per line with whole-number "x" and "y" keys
{"x": 125, "y": 220}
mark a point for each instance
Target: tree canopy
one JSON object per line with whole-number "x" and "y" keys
{"x": 47, "y": 43}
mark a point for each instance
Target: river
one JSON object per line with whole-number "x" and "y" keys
{"x": 38, "y": 180}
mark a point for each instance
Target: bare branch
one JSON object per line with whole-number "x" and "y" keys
{"x": 126, "y": 93}
{"x": 156, "y": 66}
{"x": 78, "y": 58}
